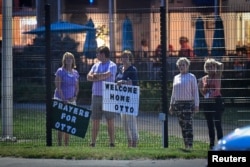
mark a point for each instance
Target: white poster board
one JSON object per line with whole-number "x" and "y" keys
{"x": 120, "y": 99}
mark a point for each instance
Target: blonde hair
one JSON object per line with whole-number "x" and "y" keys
{"x": 128, "y": 53}
{"x": 209, "y": 61}
{"x": 68, "y": 54}
{"x": 183, "y": 59}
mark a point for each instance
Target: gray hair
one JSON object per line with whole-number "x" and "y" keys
{"x": 183, "y": 59}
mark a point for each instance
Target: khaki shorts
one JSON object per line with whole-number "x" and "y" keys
{"x": 97, "y": 111}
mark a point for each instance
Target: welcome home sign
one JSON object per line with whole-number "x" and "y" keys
{"x": 120, "y": 98}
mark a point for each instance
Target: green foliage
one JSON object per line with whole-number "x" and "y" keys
{"x": 85, "y": 93}
{"x": 151, "y": 94}
{"x": 29, "y": 92}
{"x": 59, "y": 45}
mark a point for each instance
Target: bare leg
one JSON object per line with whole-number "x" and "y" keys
{"x": 59, "y": 138}
{"x": 95, "y": 129}
{"x": 66, "y": 139}
{"x": 111, "y": 130}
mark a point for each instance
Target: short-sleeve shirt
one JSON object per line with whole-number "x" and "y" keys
{"x": 100, "y": 67}
{"x": 68, "y": 83}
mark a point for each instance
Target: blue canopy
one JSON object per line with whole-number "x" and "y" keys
{"x": 60, "y": 27}
{"x": 127, "y": 35}
{"x": 90, "y": 45}
{"x": 200, "y": 44}
{"x": 218, "y": 46}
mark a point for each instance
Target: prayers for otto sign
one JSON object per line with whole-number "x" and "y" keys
{"x": 120, "y": 98}
{"x": 70, "y": 118}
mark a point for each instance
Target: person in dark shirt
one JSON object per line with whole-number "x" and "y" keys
{"x": 127, "y": 74}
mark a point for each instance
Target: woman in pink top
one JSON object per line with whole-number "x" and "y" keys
{"x": 210, "y": 86}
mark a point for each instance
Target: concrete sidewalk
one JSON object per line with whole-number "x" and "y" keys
{"x": 21, "y": 162}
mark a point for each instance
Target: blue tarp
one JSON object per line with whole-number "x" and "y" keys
{"x": 218, "y": 46}
{"x": 127, "y": 35}
{"x": 200, "y": 44}
{"x": 90, "y": 45}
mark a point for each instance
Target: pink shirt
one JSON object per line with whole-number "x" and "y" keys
{"x": 213, "y": 86}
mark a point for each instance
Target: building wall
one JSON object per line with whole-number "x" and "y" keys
{"x": 147, "y": 25}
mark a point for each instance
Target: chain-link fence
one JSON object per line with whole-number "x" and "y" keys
{"x": 29, "y": 79}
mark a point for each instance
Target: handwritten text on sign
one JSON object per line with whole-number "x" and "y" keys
{"x": 70, "y": 118}
{"x": 120, "y": 98}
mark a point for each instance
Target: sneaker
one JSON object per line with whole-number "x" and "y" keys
{"x": 111, "y": 145}
{"x": 92, "y": 144}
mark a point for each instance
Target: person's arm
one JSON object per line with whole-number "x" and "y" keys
{"x": 97, "y": 76}
{"x": 196, "y": 95}
{"x": 172, "y": 100}
{"x": 77, "y": 89}
{"x": 101, "y": 76}
{"x": 220, "y": 68}
{"x": 202, "y": 85}
{"x": 92, "y": 76}
{"x": 58, "y": 82}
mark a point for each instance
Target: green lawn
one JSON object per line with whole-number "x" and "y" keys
{"x": 30, "y": 130}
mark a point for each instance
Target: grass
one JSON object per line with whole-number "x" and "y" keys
{"x": 30, "y": 130}
{"x": 117, "y": 153}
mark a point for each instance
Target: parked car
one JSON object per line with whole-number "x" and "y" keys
{"x": 239, "y": 140}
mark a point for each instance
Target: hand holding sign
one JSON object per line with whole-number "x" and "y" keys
{"x": 121, "y": 98}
